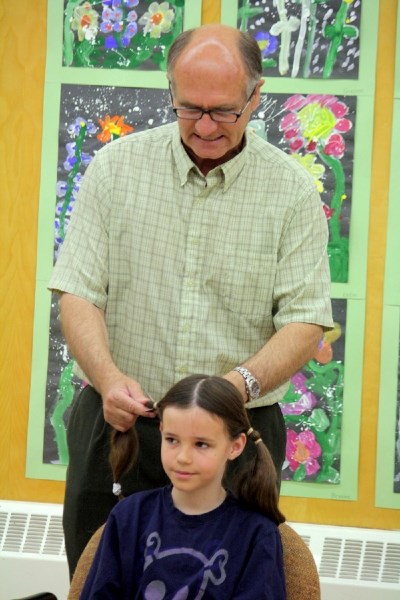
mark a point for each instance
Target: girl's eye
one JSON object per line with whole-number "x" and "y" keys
{"x": 202, "y": 445}
{"x": 170, "y": 440}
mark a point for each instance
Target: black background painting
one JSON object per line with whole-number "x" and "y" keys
{"x": 140, "y": 108}
{"x": 330, "y": 35}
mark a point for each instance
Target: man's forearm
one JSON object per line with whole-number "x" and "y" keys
{"x": 282, "y": 356}
{"x": 85, "y": 332}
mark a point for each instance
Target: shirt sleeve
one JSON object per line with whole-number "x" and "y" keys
{"x": 302, "y": 284}
{"x": 82, "y": 265}
{"x": 263, "y": 574}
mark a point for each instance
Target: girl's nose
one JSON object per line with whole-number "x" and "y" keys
{"x": 185, "y": 455}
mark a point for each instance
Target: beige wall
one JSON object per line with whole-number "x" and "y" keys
{"x": 22, "y": 64}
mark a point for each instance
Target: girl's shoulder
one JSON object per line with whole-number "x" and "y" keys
{"x": 140, "y": 502}
{"x": 248, "y": 517}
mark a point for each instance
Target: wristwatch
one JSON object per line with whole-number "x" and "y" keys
{"x": 253, "y": 388}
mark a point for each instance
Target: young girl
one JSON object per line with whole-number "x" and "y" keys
{"x": 194, "y": 539}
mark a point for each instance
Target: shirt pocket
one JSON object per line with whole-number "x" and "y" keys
{"x": 247, "y": 285}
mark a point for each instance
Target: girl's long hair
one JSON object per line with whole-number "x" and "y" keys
{"x": 255, "y": 483}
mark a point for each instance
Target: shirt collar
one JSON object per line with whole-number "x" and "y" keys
{"x": 230, "y": 170}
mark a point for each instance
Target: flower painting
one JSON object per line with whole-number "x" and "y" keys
{"x": 104, "y": 114}
{"x": 317, "y": 130}
{"x": 121, "y": 34}
{"x": 305, "y": 38}
{"x": 315, "y": 127}
{"x": 313, "y": 410}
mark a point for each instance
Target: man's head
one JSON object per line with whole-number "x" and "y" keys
{"x": 214, "y": 67}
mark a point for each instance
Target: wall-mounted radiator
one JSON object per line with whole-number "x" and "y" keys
{"x": 353, "y": 563}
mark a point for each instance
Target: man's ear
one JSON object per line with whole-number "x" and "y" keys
{"x": 161, "y": 427}
{"x": 237, "y": 446}
{"x": 257, "y": 95}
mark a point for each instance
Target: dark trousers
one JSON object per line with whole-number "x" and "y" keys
{"x": 88, "y": 494}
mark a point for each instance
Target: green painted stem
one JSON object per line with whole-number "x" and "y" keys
{"x": 70, "y": 178}
{"x": 336, "y": 205}
{"x": 64, "y": 400}
{"x": 336, "y": 40}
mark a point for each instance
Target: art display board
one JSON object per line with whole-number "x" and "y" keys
{"x": 322, "y": 407}
{"x": 322, "y": 53}
{"x": 59, "y": 24}
{"x": 387, "y": 489}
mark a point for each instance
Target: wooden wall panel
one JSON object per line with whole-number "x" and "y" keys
{"x": 22, "y": 66}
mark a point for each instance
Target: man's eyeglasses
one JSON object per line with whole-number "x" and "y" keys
{"x": 219, "y": 116}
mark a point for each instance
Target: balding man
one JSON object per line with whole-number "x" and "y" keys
{"x": 193, "y": 247}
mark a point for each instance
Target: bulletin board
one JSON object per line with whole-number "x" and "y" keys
{"x": 319, "y": 68}
{"x": 105, "y": 78}
{"x": 317, "y": 108}
{"x": 387, "y": 489}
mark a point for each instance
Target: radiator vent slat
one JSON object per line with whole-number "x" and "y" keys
{"x": 37, "y": 534}
{"x": 359, "y": 560}
{"x": 391, "y": 567}
{"x": 15, "y": 532}
{"x": 351, "y": 559}
{"x": 330, "y": 557}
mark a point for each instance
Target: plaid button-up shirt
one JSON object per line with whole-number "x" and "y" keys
{"x": 195, "y": 273}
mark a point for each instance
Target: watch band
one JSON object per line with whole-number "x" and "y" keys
{"x": 252, "y": 385}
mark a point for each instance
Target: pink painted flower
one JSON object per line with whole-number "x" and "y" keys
{"x": 306, "y": 400}
{"x": 302, "y": 449}
{"x": 315, "y": 122}
{"x": 305, "y": 403}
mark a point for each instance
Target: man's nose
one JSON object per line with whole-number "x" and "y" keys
{"x": 205, "y": 126}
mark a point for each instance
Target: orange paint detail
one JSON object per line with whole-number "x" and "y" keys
{"x": 302, "y": 452}
{"x": 85, "y": 21}
{"x": 113, "y": 127}
{"x": 156, "y": 18}
{"x": 324, "y": 354}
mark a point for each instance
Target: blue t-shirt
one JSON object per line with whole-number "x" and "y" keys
{"x": 151, "y": 551}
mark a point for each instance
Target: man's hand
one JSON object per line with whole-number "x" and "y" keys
{"x": 124, "y": 401}
{"x": 86, "y": 334}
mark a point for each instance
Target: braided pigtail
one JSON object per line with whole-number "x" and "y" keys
{"x": 255, "y": 485}
{"x": 123, "y": 455}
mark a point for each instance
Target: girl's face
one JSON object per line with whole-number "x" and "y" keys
{"x": 195, "y": 447}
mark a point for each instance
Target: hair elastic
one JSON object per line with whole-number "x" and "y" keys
{"x": 116, "y": 489}
{"x": 249, "y": 432}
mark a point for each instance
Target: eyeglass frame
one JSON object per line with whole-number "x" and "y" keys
{"x": 210, "y": 111}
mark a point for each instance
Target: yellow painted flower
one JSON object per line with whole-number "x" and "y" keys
{"x": 317, "y": 122}
{"x": 308, "y": 161}
{"x": 85, "y": 22}
{"x": 158, "y": 19}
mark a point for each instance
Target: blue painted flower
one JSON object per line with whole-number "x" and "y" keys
{"x": 110, "y": 43}
{"x": 74, "y": 128}
{"x": 267, "y": 43}
{"x": 114, "y": 21}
